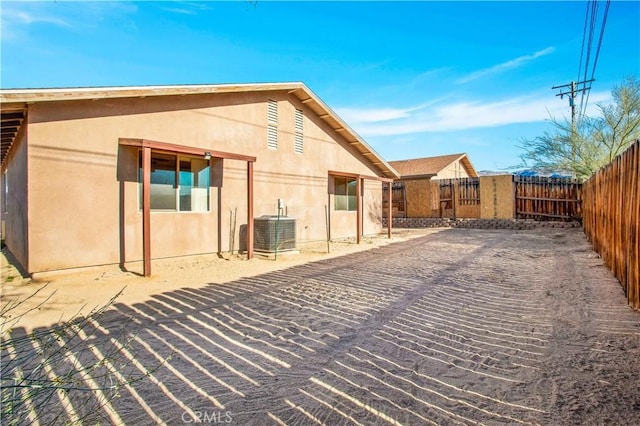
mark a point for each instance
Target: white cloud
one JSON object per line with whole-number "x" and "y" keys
{"x": 14, "y": 20}
{"x": 180, "y": 11}
{"x": 29, "y": 18}
{"x": 447, "y": 117}
{"x": 19, "y": 17}
{"x": 372, "y": 115}
{"x": 188, "y": 7}
{"x": 513, "y": 63}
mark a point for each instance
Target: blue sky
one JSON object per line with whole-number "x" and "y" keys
{"x": 414, "y": 79}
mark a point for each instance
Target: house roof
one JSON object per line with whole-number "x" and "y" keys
{"x": 431, "y": 166}
{"x": 14, "y": 104}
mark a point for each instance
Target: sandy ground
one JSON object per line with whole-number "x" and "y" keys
{"x": 71, "y": 293}
{"x": 453, "y": 327}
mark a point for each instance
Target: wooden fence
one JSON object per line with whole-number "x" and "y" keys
{"x": 469, "y": 191}
{"x": 453, "y": 193}
{"x": 611, "y": 202}
{"x": 546, "y": 198}
{"x": 398, "y": 199}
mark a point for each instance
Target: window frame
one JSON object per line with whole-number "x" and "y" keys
{"x": 348, "y": 198}
{"x": 176, "y": 184}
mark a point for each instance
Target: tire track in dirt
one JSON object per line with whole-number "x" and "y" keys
{"x": 419, "y": 403}
{"x": 591, "y": 369}
{"x": 461, "y": 327}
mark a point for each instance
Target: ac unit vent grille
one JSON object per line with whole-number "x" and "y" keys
{"x": 271, "y": 233}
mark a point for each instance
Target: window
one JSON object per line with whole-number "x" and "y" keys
{"x": 178, "y": 183}
{"x": 194, "y": 185}
{"x": 298, "y": 144}
{"x": 345, "y": 194}
{"x": 272, "y": 124}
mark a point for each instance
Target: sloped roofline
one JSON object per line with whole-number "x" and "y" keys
{"x": 462, "y": 157}
{"x": 17, "y": 99}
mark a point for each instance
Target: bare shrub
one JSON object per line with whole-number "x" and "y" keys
{"x": 67, "y": 373}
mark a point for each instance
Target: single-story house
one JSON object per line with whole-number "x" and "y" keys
{"x": 417, "y": 193}
{"x": 114, "y": 175}
{"x": 451, "y": 166}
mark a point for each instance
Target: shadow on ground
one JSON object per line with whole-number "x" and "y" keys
{"x": 464, "y": 326}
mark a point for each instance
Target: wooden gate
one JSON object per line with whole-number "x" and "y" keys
{"x": 546, "y": 198}
{"x": 398, "y": 200}
{"x": 445, "y": 196}
{"x": 455, "y": 194}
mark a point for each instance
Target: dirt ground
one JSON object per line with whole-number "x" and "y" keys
{"x": 78, "y": 292}
{"x": 455, "y": 326}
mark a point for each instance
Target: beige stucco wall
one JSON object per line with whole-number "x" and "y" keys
{"x": 497, "y": 200}
{"x": 467, "y": 211}
{"x": 84, "y": 193}
{"x": 372, "y": 207}
{"x": 15, "y": 217}
{"x": 452, "y": 171}
{"x": 418, "y": 195}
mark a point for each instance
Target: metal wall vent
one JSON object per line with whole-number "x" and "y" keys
{"x": 272, "y": 137}
{"x": 298, "y": 146}
{"x": 298, "y": 143}
{"x": 272, "y": 124}
{"x": 272, "y": 112}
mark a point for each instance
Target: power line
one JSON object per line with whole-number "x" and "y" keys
{"x": 591, "y": 18}
{"x": 595, "y": 61}
{"x": 584, "y": 37}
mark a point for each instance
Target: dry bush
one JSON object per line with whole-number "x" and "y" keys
{"x": 67, "y": 373}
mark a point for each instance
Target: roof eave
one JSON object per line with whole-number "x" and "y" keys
{"x": 299, "y": 89}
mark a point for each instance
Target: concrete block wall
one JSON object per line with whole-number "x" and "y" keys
{"x": 516, "y": 224}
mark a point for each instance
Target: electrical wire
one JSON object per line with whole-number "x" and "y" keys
{"x": 595, "y": 61}
{"x": 584, "y": 37}
{"x": 591, "y": 17}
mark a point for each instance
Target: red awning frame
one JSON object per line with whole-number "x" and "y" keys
{"x": 146, "y": 146}
{"x": 360, "y": 180}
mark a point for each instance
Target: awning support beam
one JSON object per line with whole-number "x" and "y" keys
{"x": 359, "y": 189}
{"x": 146, "y": 210}
{"x": 147, "y": 146}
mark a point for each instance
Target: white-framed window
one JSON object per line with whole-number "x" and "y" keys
{"x": 272, "y": 124}
{"x": 298, "y": 143}
{"x": 345, "y": 194}
{"x": 178, "y": 183}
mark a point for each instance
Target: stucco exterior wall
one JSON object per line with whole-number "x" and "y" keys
{"x": 497, "y": 199}
{"x": 84, "y": 197}
{"x": 452, "y": 171}
{"x": 418, "y": 195}
{"x": 15, "y": 207}
{"x": 372, "y": 207}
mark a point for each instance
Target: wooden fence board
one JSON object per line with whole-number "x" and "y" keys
{"x": 611, "y": 220}
{"x": 545, "y": 198}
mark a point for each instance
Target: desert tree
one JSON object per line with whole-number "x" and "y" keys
{"x": 592, "y": 142}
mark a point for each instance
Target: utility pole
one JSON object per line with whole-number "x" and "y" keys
{"x": 573, "y": 90}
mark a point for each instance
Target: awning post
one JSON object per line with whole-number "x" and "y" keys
{"x": 146, "y": 210}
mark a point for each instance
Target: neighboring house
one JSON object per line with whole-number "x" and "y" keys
{"x": 442, "y": 167}
{"x": 416, "y": 193}
{"x": 96, "y": 176}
